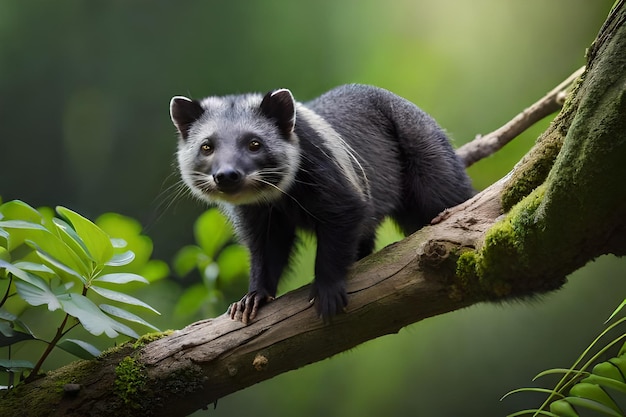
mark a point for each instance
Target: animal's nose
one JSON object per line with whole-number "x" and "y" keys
{"x": 228, "y": 180}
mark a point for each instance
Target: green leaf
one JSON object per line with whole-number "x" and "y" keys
{"x": 36, "y": 268}
{"x": 79, "y": 348}
{"x": 25, "y": 232}
{"x": 92, "y": 318}
{"x": 592, "y": 405}
{"x": 121, "y": 259}
{"x": 155, "y": 270}
{"x": 616, "y": 311}
{"x": 210, "y": 274}
{"x": 126, "y": 315}
{"x": 605, "y": 382}
{"x": 33, "y": 289}
{"x": 186, "y": 259}
{"x": 116, "y": 224}
{"x": 19, "y": 210}
{"x": 595, "y": 393}
{"x": 191, "y": 300}
{"x": 563, "y": 409}
{"x": 233, "y": 263}
{"x": 22, "y": 224}
{"x": 4, "y": 239}
{"x": 118, "y": 243}
{"x": 17, "y": 272}
{"x": 533, "y": 413}
{"x": 20, "y": 230}
{"x": 69, "y": 236}
{"x": 10, "y": 336}
{"x": 212, "y": 231}
{"x": 61, "y": 268}
{"x": 37, "y": 295}
{"x": 19, "y": 325}
{"x": 97, "y": 242}
{"x": 533, "y": 389}
{"x": 121, "y": 278}
{"x": 121, "y": 297}
{"x": 570, "y": 372}
{"x": 6, "y": 330}
{"x": 5, "y": 315}
{"x": 10, "y": 365}
{"x": 126, "y": 230}
{"x": 15, "y": 325}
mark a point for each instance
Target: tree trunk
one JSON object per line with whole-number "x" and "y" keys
{"x": 564, "y": 204}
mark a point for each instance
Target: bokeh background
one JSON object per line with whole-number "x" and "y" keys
{"x": 84, "y": 123}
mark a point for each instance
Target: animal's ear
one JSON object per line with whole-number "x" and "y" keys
{"x": 184, "y": 112}
{"x": 280, "y": 106}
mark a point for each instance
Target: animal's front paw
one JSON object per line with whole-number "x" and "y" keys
{"x": 329, "y": 300}
{"x": 245, "y": 310}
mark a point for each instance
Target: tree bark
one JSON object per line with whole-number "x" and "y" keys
{"x": 562, "y": 205}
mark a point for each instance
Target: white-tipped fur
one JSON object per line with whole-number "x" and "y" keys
{"x": 295, "y": 103}
{"x": 341, "y": 152}
{"x": 172, "y": 105}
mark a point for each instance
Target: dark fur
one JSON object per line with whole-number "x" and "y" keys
{"x": 412, "y": 175}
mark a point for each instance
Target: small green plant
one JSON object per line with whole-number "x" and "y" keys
{"x": 129, "y": 381}
{"x": 222, "y": 265}
{"x": 589, "y": 386}
{"x": 69, "y": 264}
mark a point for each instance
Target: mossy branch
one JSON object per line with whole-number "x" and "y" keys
{"x": 560, "y": 207}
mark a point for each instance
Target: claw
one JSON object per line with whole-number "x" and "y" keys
{"x": 246, "y": 309}
{"x": 329, "y": 301}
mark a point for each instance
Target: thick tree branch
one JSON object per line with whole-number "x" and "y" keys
{"x": 403, "y": 283}
{"x": 572, "y": 210}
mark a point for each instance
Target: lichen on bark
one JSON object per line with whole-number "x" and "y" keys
{"x": 562, "y": 214}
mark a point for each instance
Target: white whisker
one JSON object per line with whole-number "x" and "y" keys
{"x": 288, "y": 195}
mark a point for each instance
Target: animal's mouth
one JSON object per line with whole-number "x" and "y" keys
{"x": 230, "y": 189}
{"x": 238, "y": 197}
{"x": 247, "y": 193}
{"x": 246, "y": 190}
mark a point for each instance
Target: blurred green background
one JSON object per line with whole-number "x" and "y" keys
{"x": 84, "y": 123}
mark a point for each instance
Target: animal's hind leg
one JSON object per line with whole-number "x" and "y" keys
{"x": 410, "y": 221}
{"x": 366, "y": 246}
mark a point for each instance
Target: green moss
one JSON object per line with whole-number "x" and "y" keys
{"x": 493, "y": 270}
{"x": 38, "y": 405}
{"x": 129, "y": 347}
{"x": 120, "y": 350}
{"x": 533, "y": 169}
{"x": 466, "y": 269}
{"x": 130, "y": 380}
{"x": 50, "y": 390}
{"x": 151, "y": 337}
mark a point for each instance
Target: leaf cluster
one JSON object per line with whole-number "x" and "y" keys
{"x": 64, "y": 262}
{"x": 221, "y": 263}
{"x": 588, "y": 386}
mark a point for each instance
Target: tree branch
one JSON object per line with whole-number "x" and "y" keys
{"x": 566, "y": 216}
{"x": 401, "y": 284}
{"x": 484, "y": 146}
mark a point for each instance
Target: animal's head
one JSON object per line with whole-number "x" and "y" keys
{"x": 237, "y": 149}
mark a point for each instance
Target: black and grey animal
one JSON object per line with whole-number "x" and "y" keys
{"x": 337, "y": 166}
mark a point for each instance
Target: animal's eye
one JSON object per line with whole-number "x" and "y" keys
{"x": 254, "y": 145}
{"x": 206, "y": 149}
